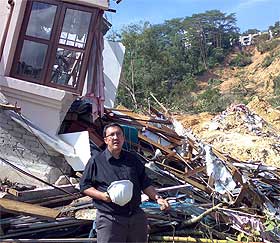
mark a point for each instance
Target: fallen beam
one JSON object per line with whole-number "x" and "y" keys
{"x": 189, "y": 239}
{"x": 12, "y": 206}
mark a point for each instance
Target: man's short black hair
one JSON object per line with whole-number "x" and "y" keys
{"x": 113, "y": 124}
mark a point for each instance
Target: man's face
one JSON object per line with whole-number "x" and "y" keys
{"x": 114, "y": 139}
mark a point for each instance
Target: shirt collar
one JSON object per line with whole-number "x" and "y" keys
{"x": 108, "y": 154}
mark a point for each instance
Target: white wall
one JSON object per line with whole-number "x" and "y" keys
{"x": 113, "y": 56}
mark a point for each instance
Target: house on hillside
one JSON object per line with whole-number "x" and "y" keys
{"x": 247, "y": 40}
{"x": 51, "y": 54}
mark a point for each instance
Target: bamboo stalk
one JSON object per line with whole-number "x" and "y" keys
{"x": 201, "y": 216}
{"x": 158, "y": 239}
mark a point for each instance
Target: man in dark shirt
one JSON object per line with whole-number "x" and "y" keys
{"x": 115, "y": 223}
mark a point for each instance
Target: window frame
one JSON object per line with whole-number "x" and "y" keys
{"x": 53, "y": 44}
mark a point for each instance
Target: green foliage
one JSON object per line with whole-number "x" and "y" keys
{"x": 275, "y": 29}
{"x": 217, "y": 55}
{"x": 181, "y": 98}
{"x": 241, "y": 60}
{"x": 275, "y": 101}
{"x": 276, "y": 83}
{"x": 165, "y": 58}
{"x": 211, "y": 101}
{"x": 251, "y": 31}
{"x": 272, "y": 224}
{"x": 214, "y": 82}
{"x": 267, "y": 61}
{"x": 263, "y": 45}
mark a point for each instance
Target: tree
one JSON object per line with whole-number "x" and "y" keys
{"x": 275, "y": 29}
{"x": 165, "y": 58}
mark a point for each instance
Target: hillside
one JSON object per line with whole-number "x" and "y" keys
{"x": 256, "y": 77}
{"x": 246, "y": 132}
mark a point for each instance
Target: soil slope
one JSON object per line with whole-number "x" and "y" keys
{"x": 247, "y": 133}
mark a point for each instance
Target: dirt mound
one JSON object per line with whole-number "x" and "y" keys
{"x": 194, "y": 122}
{"x": 266, "y": 111}
{"x": 256, "y": 77}
{"x": 247, "y": 133}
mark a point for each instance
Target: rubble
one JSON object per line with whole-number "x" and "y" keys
{"x": 247, "y": 133}
{"x": 214, "y": 196}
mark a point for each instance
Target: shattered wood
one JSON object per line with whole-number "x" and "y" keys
{"x": 218, "y": 195}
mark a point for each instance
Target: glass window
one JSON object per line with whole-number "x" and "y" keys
{"x": 75, "y": 28}
{"x": 52, "y": 49}
{"x": 67, "y": 67}
{"x": 32, "y": 59}
{"x": 41, "y": 20}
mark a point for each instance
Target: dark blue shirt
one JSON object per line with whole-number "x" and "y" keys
{"x": 103, "y": 169}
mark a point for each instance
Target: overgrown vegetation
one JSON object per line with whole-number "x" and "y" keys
{"x": 214, "y": 82}
{"x": 267, "y": 61}
{"x": 166, "y": 60}
{"x": 241, "y": 60}
{"x": 211, "y": 100}
{"x": 276, "y": 83}
{"x": 263, "y": 45}
{"x": 275, "y": 102}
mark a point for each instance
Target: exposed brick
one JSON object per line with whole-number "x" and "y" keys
{"x": 3, "y": 120}
{"x": 6, "y": 126}
{"x": 19, "y": 129}
{"x": 28, "y": 155}
{"x": 54, "y": 153}
{"x": 7, "y": 136}
{"x": 24, "y": 149}
{"x": 31, "y": 144}
{"x": 29, "y": 137}
{"x": 11, "y": 122}
{"x": 3, "y": 131}
{"x": 39, "y": 150}
{"x": 16, "y": 134}
{"x": 45, "y": 160}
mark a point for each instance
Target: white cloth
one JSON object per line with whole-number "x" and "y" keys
{"x": 120, "y": 192}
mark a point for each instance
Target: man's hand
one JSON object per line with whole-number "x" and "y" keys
{"x": 93, "y": 193}
{"x": 152, "y": 193}
{"x": 164, "y": 205}
{"x": 106, "y": 197}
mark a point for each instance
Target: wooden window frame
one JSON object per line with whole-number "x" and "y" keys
{"x": 53, "y": 45}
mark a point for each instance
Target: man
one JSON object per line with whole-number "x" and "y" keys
{"x": 115, "y": 223}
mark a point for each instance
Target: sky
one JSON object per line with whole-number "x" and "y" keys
{"x": 250, "y": 14}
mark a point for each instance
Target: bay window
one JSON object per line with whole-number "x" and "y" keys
{"x": 54, "y": 44}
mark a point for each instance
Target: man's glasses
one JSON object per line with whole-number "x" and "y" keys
{"x": 117, "y": 134}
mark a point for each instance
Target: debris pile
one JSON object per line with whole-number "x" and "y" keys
{"x": 213, "y": 195}
{"x": 247, "y": 133}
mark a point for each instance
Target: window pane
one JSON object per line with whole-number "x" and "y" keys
{"x": 41, "y": 20}
{"x": 75, "y": 28}
{"x": 32, "y": 59}
{"x": 66, "y": 69}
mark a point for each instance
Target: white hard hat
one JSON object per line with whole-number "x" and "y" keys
{"x": 120, "y": 192}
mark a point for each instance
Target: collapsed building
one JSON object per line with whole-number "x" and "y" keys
{"x": 213, "y": 196}
{"x": 53, "y": 93}
{"x": 51, "y": 55}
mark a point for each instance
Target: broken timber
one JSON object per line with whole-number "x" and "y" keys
{"x": 12, "y": 206}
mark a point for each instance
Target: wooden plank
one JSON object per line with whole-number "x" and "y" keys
{"x": 157, "y": 145}
{"x": 48, "y": 227}
{"x": 181, "y": 175}
{"x": 44, "y": 192}
{"x": 10, "y": 107}
{"x": 12, "y": 206}
{"x": 193, "y": 172}
{"x": 139, "y": 119}
{"x": 173, "y": 136}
